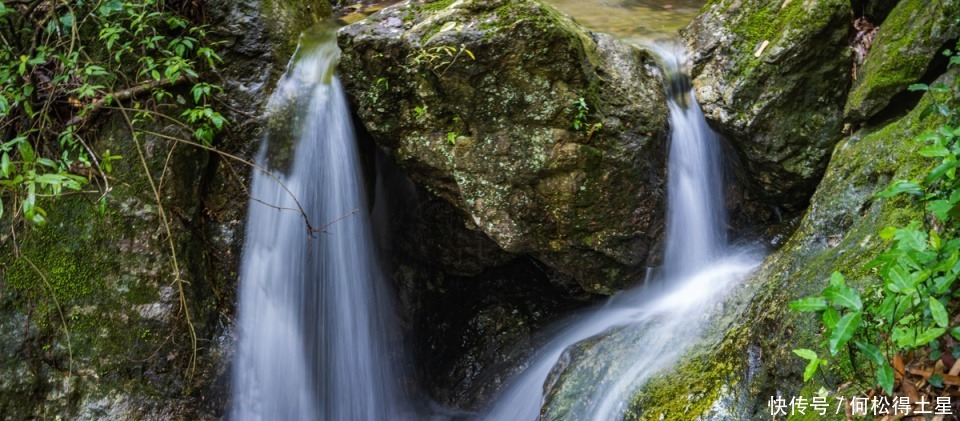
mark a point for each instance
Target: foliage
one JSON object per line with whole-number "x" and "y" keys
{"x": 64, "y": 63}
{"x": 439, "y": 58}
{"x": 908, "y": 313}
{"x": 581, "y": 112}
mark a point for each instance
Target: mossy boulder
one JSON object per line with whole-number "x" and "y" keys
{"x": 734, "y": 375}
{"x": 547, "y": 138}
{"x": 101, "y": 329}
{"x": 772, "y": 76}
{"x": 908, "y": 43}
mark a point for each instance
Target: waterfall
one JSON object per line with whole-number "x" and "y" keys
{"x": 665, "y": 316}
{"x": 316, "y": 311}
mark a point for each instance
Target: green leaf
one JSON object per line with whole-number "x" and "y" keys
{"x": 885, "y": 378}
{"x": 929, "y": 335}
{"x": 941, "y": 170}
{"x": 900, "y": 187}
{"x": 955, "y": 332}
{"x": 830, "y": 318}
{"x": 26, "y": 151}
{"x": 872, "y": 353}
{"x": 836, "y": 279}
{"x": 806, "y": 354}
{"x": 939, "y": 312}
{"x": 885, "y": 310}
{"x": 899, "y": 280}
{"x": 931, "y": 151}
{"x": 936, "y": 381}
{"x": 911, "y": 238}
{"x": 941, "y": 209}
{"x": 888, "y": 233}
{"x": 809, "y": 304}
{"x": 918, "y": 87}
{"x": 811, "y": 369}
{"x": 841, "y": 334}
{"x": 843, "y": 296}
{"x": 67, "y": 21}
{"x": 5, "y": 166}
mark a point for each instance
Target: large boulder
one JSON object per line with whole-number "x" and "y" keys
{"x": 773, "y": 77}
{"x": 545, "y": 137}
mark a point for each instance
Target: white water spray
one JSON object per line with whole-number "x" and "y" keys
{"x": 316, "y": 312}
{"x": 665, "y": 316}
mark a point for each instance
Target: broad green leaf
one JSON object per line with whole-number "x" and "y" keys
{"x": 806, "y": 354}
{"x": 872, "y": 353}
{"x": 942, "y": 284}
{"x": 888, "y": 233}
{"x": 886, "y": 309}
{"x": 843, "y": 296}
{"x": 955, "y": 332}
{"x": 929, "y": 335}
{"x": 900, "y": 187}
{"x": 941, "y": 208}
{"x": 948, "y": 164}
{"x": 936, "y": 381}
{"x": 911, "y": 238}
{"x": 830, "y": 318}
{"x": 931, "y": 151}
{"x": 903, "y": 337}
{"x": 885, "y": 378}
{"x": 26, "y": 151}
{"x": 47, "y": 162}
{"x": 836, "y": 279}
{"x": 939, "y": 313}
{"x": 846, "y": 326}
{"x": 809, "y": 304}
{"x": 899, "y": 280}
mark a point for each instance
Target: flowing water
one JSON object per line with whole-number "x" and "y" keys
{"x": 316, "y": 312}
{"x": 664, "y": 316}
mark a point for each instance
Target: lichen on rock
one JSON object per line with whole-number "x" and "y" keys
{"x": 773, "y": 77}
{"x": 477, "y": 101}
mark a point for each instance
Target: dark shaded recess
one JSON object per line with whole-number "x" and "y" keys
{"x": 875, "y": 11}
{"x": 468, "y": 310}
{"x": 473, "y": 331}
{"x": 750, "y": 218}
{"x": 904, "y": 101}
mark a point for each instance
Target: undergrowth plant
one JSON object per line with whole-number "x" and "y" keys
{"x": 64, "y": 65}
{"x": 903, "y": 324}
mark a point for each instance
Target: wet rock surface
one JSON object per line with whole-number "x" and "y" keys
{"x": 773, "y": 77}
{"x": 478, "y": 102}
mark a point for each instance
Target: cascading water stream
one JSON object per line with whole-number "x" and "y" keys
{"x": 664, "y": 316}
{"x": 316, "y": 312}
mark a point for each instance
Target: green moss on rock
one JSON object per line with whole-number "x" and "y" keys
{"x": 588, "y": 205}
{"x": 906, "y": 43}
{"x": 772, "y": 76}
{"x": 754, "y": 359}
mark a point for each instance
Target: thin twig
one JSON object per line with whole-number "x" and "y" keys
{"x": 173, "y": 250}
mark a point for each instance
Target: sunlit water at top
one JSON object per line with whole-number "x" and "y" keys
{"x": 632, "y": 18}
